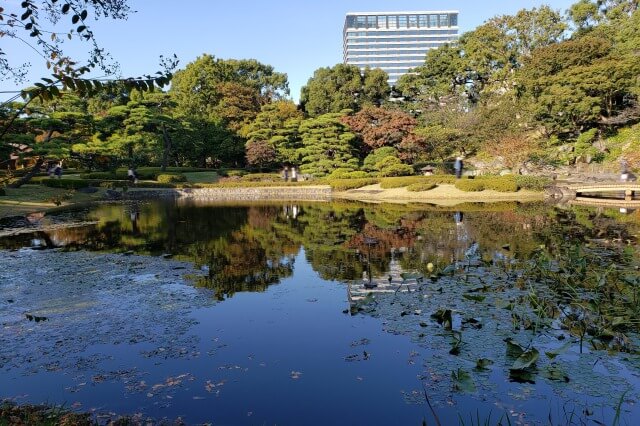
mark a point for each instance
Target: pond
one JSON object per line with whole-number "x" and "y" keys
{"x": 324, "y": 313}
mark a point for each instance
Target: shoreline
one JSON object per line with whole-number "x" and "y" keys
{"x": 444, "y": 195}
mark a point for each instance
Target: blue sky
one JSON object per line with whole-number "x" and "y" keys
{"x": 295, "y": 36}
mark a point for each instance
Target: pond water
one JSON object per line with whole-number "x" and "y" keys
{"x": 325, "y": 313}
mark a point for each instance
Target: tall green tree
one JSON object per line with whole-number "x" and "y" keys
{"x": 332, "y": 90}
{"x": 275, "y": 129}
{"x": 327, "y": 144}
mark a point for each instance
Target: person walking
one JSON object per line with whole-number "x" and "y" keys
{"x": 58, "y": 171}
{"x": 457, "y": 166}
{"x": 285, "y": 174}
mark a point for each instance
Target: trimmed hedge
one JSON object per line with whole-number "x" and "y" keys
{"x": 171, "y": 178}
{"x": 421, "y": 186}
{"x": 533, "y": 183}
{"x": 69, "y": 183}
{"x": 470, "y": 185}
{"x": 399, "y": 182}
{"x": 501, "y": 184}
{"x": 347, "y": 184}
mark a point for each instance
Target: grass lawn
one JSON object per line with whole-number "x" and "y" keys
{"x": 202, "y": 177}
{"x": 29, "y": 198}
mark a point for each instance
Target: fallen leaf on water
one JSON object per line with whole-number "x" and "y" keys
{"x": 296, "y": 375}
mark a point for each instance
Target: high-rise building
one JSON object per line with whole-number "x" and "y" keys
{"x": 396, "y": 41}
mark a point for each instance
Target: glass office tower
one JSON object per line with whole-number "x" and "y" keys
{"x": 395, "y": 41}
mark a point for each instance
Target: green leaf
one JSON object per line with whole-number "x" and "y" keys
{"x": 75, "y": 19}
{"x": 483, "y": 363}
{"x": 474, "y": 297}
{"x": 81, "y": 28}
{"x": 514, "y": 349}
{"x": 554, "y": 353}
{"x": 526, "y": 360}
{"x": 462, "y": 381}
{"x": 66, "y": 7}
{"x": 83, "y": 15}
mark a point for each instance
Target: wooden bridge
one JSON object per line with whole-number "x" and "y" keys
{"x": 589, "y": 193}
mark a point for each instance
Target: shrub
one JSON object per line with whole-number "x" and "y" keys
{"x": 376, "y": 155}
{"x": 501, "y": 184}
{"x": 392, "y": 166}
{"x": 470, "y": 185}
{"x": 232, "y": 173}
{"x": 262, "y": 177}
{"x": 347, "y": 184}
{"x": 421, "y": 186}
{"x": 171, "y": 178}
{"x": 398, "y": 182}
{"x": 340, "y": 173}
{"x": 101, "y": 175}
{"x": 2, "y": 192}
{"x": 534, "y": 183}
{"x": 68, "y": 183}
{"x": 358, "y": 174}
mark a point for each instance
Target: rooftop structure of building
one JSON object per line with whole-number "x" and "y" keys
{"x": 396, "y": 42}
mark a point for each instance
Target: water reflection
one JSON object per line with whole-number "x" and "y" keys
{"x": 250, "y": 247}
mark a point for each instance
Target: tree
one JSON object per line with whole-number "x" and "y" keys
{"x": 332, "y": 90}
{"x": 207, "y": 85}
{"x": 26, "y": 25}
{"x": 380, "y": 127}
{"x": 327, "y": 144}
{"x": 277, "y": 124}
{"x": 261, "y": 154}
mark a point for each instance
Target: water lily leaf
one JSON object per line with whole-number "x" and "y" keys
{"x": 474, "y": 297}
{"x": 522, "y": 376}
{"x": 526, "y": 360}
{"x": 554, "y": 372}
{"x": 619, "y": 321}
{"x": 554, "y": 353}
{"x": 430, "y": 267}
{"x": 462, "y": 381}
{"x": 443, "y": 316}
{"x": 514, "y": 349}
{"x": 483, "y": 363}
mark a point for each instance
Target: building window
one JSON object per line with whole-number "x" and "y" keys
{"x": 453, "y": 20}
{"x": 382, "y": 22}
{"x": 360, "y": 22}
{"x": 422, "y": 21}
{"x": 393, "y": 22}
{"x": 433, "y": 20}
{"x": 444, "y": 20}
{"x": 413, "y": 21}
{"x": 371, "y": 22}
{"x": 402, "y": 21}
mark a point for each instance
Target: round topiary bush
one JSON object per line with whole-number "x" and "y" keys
{"x": 171, "y": 178}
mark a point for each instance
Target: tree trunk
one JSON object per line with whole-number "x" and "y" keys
{"x": 167, "y": 148}
{"x": 26, "y": 178}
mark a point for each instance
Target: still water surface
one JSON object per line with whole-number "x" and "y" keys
{"x": 281, "y": 331}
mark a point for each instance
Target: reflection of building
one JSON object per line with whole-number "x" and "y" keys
{"x": 395, "y": 41}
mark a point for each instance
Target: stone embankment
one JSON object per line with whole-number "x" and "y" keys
{"x": 315, "y": 193}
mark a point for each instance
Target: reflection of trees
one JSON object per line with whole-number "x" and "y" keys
{"x": 250, "y": 248}
{"x": 324, "y": 231}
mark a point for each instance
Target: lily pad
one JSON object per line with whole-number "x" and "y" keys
{"x": 483, "y": 363}
{"x": 526, "y": 360}
{"x": 462, "y": 381}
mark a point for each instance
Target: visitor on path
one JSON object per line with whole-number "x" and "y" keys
{"x": 294, "y": 174}
{"x": 457, "y": 166}
{"x": 132, "y": 176}
{"x": 285, "y": 174}
{"x": 58, "y": 171}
